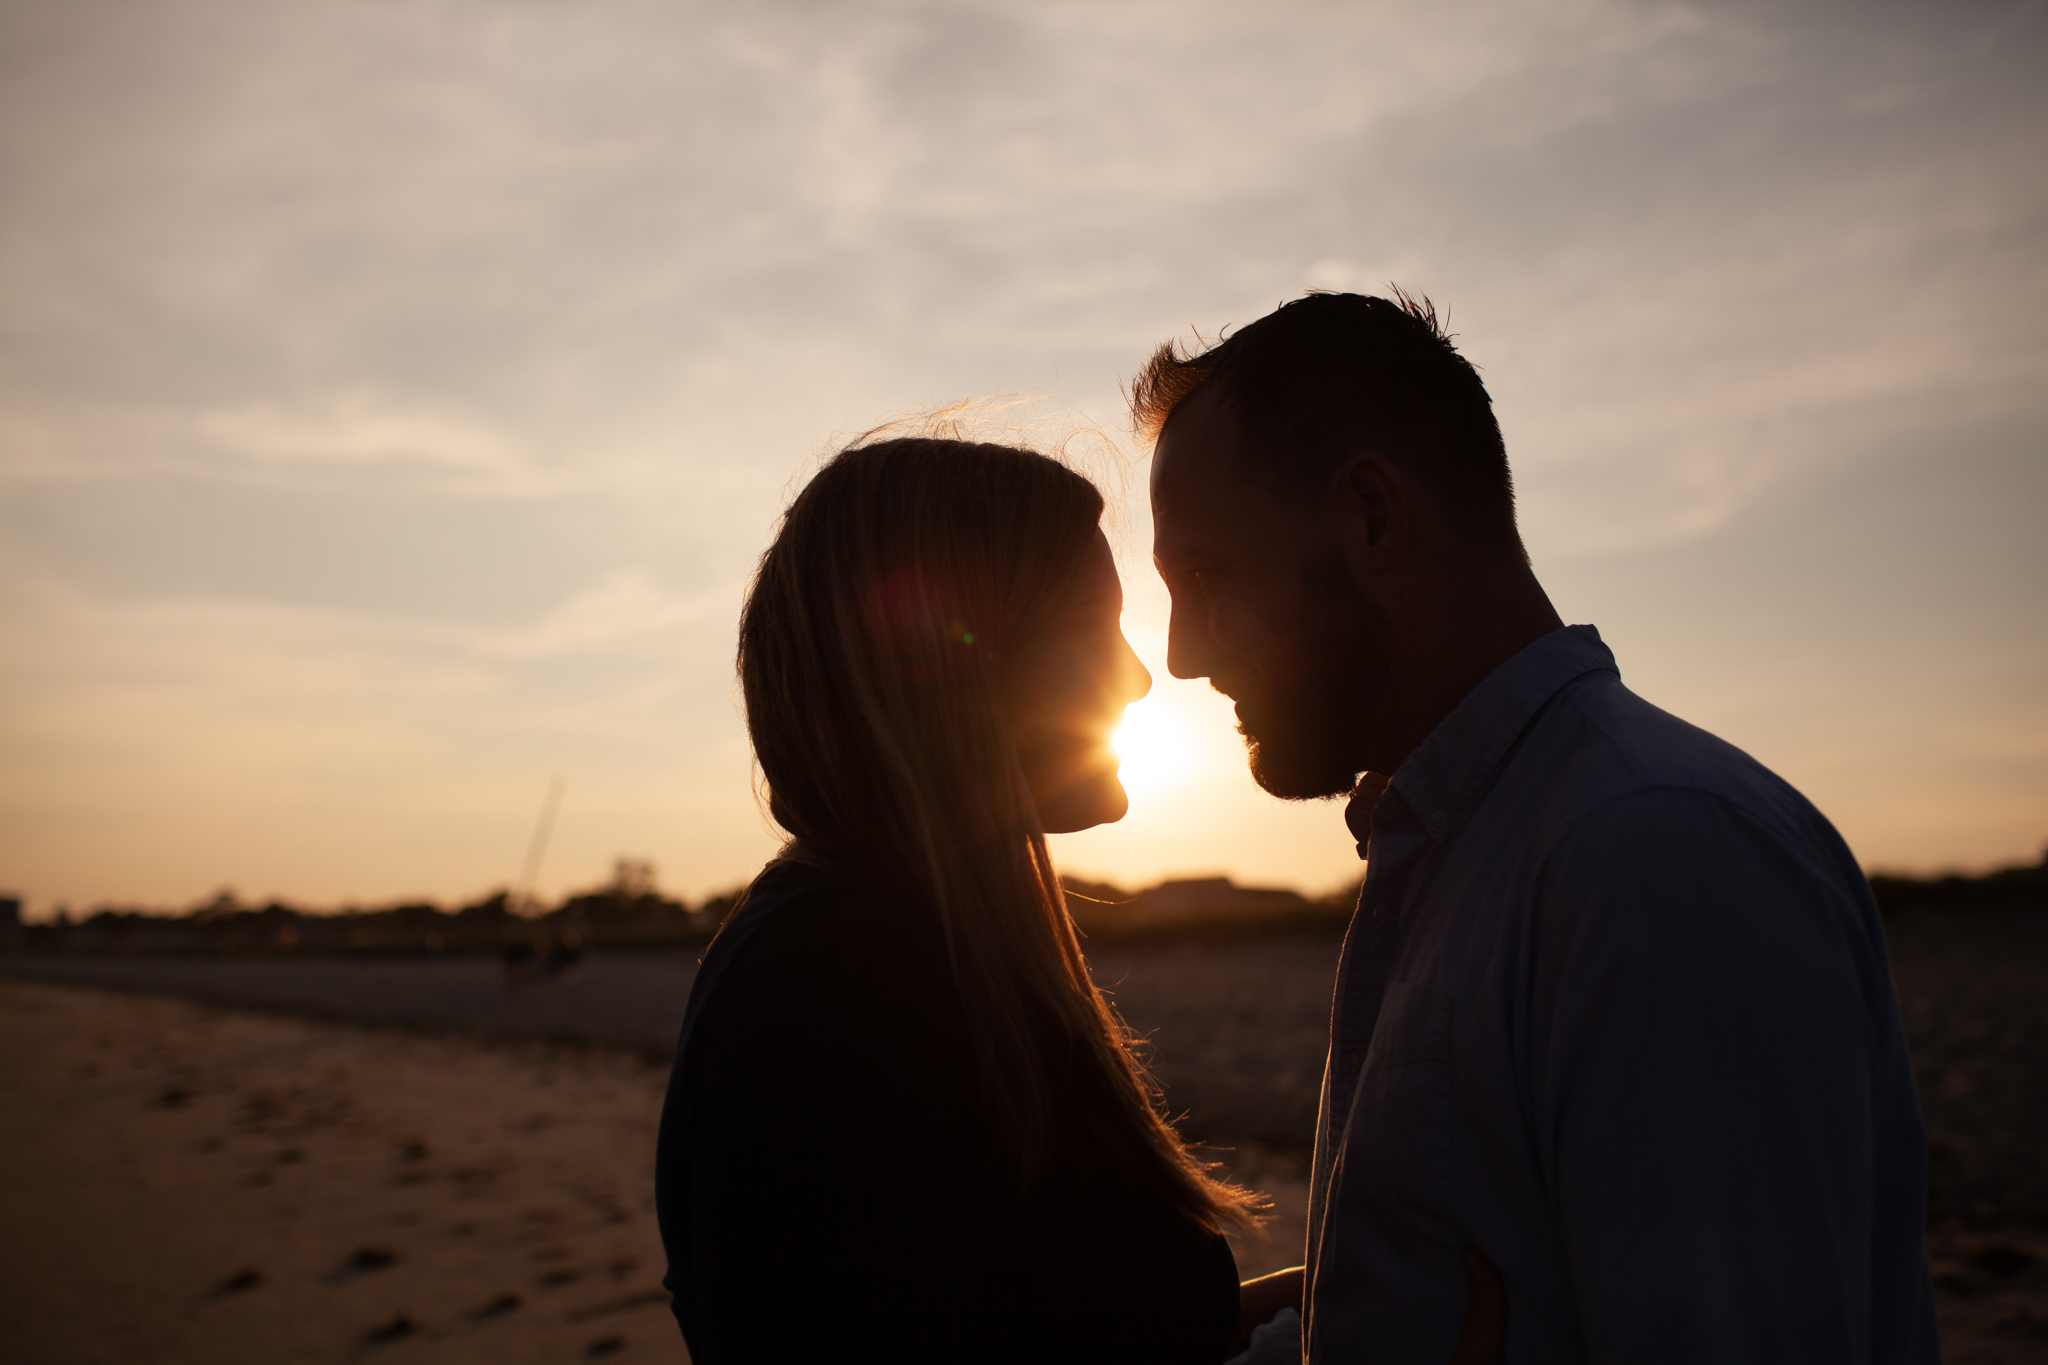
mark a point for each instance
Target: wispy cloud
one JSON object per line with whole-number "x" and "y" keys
{"x": 359, "y": 428}
{"x": 627, "y": 606}
{"x": 488, "y": 338}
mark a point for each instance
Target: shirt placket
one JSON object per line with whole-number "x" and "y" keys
{"x": 1397, "y": 849}
{"x": 1398, "y": 846}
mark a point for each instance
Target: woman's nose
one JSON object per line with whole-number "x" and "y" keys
{"x": 1137, "y": 677}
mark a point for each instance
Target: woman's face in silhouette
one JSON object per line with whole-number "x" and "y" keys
{"x": 1066, "y": 690}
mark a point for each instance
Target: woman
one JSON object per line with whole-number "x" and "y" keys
{"x": 903, "y": 1124}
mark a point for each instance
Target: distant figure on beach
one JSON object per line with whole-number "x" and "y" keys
{"x": 564, "y": 955}
{"x": 545, "y": 957}
{"x": 902, "y": 1124}
{"x": 1614, "y": 1009}
{"x": 520, "y": 956}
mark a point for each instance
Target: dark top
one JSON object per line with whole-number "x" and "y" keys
{"x": 828, "y": 1188}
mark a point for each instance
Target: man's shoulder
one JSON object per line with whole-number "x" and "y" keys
{"x": 1626, "y": 772}
{"x": 1623, "y": 747}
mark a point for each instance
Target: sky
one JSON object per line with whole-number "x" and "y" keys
{"x": 395, "y": 397}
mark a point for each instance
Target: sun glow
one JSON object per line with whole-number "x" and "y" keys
{"x": 1150, "y": 746}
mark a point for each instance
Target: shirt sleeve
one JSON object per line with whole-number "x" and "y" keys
{"x": 1709, "y": 1044}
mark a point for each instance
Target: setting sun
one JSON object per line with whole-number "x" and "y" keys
{"x": 1151, "y": 748}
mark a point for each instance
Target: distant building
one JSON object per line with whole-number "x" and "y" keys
{"x": 1212, "y": 897}
{"x": 1186, "y": 901}
{"x": 10, "y": 921}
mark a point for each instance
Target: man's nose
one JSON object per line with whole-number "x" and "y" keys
{"x": 1187, "y": 651}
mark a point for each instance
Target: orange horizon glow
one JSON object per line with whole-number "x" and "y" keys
{"x": 400, "y": 398}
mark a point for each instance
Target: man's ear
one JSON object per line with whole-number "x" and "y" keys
{"x": 1370, "y": 503}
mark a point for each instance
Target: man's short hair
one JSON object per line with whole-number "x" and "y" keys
{"x": 1328, "y": 375}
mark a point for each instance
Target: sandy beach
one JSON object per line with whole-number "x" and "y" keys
{"x": 191, "y": 1183}
{"x": 329, "y": 1159}
{"x": 187, "y": 1181}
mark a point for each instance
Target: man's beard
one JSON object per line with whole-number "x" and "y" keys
{"x": 1304, "y": 737}
{"x": 1294, "y": 758}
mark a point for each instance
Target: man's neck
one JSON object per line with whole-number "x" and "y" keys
{"x": 1453, "y": 638}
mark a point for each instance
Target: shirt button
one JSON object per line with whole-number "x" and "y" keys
{"x": 1350, "y": 1062}
{"x": 1438, "y": 819}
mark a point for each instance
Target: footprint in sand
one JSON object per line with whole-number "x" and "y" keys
{"x": 497, "y": 1308}
{"x": 398, "y": 1329}
{"x": 239, "y": 1282}
{"x": 365, "y": 1261}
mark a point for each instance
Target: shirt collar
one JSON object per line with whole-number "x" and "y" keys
{"x": 1450, "y": 770}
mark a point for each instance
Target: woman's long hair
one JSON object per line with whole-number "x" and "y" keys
{"x": 872, "y": 659}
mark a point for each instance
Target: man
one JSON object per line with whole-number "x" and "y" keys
{"x": 1614, "y": 1011}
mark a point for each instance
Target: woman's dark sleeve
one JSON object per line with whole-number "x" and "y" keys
{"x": 840, "y": 1193}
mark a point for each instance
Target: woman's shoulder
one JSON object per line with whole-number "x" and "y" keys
{"x": 810, "y": 942}
{"x": 795, "y": 909}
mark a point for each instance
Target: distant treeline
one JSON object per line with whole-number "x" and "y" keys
{"x": 630, "y": 911}
{"x": 2007, "y": 886}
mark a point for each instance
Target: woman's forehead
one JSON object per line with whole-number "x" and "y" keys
{"x": 1096, "y": 581}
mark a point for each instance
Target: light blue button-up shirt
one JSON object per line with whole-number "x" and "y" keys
{"x": 1615, "y": 1010}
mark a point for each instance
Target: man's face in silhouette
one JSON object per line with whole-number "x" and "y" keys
{"x": 1262, "y": 605}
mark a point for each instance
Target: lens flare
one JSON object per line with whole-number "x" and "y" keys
{"x": 1150, "y": 747}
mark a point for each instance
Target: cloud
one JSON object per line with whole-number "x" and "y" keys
{"x": 356, "y": 428}
{"x": 478, "y": 345}
{"x": 627, "y": 606}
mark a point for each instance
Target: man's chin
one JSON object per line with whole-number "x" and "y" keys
{"x": 1290, "y": 778}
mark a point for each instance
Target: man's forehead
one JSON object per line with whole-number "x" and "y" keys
{"x": 1195, "y": 468}
{"x": 1199, "y": 431}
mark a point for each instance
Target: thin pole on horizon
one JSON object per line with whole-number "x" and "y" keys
{"x": 537, "y": 849}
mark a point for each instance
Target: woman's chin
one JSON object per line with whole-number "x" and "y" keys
{"x": 1103, "y": 803}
